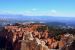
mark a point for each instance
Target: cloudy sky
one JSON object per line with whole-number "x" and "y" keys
{"x": 64, "y": 8}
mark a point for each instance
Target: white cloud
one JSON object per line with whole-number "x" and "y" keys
{"x": 34, "y": 9}
{"x": 53, "y": 11}
{"x": 36, "y": 12}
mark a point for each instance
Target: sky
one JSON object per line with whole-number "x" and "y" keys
{"x": 64, "y": 8}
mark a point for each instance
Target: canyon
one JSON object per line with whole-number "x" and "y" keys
{"x": 33, "y": 36}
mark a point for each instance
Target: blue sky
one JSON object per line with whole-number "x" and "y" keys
{"x": 64, "y": 8}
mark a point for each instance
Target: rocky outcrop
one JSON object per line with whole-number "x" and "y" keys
{"x": 33, "y": 37}
{"x": 30, "y": 43}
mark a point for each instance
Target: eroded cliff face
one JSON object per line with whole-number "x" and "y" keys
{"x": 26, "y": 38}
{"x": 31, "y": 37}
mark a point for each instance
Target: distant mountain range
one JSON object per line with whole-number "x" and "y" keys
{"x": 45, "y": 19}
